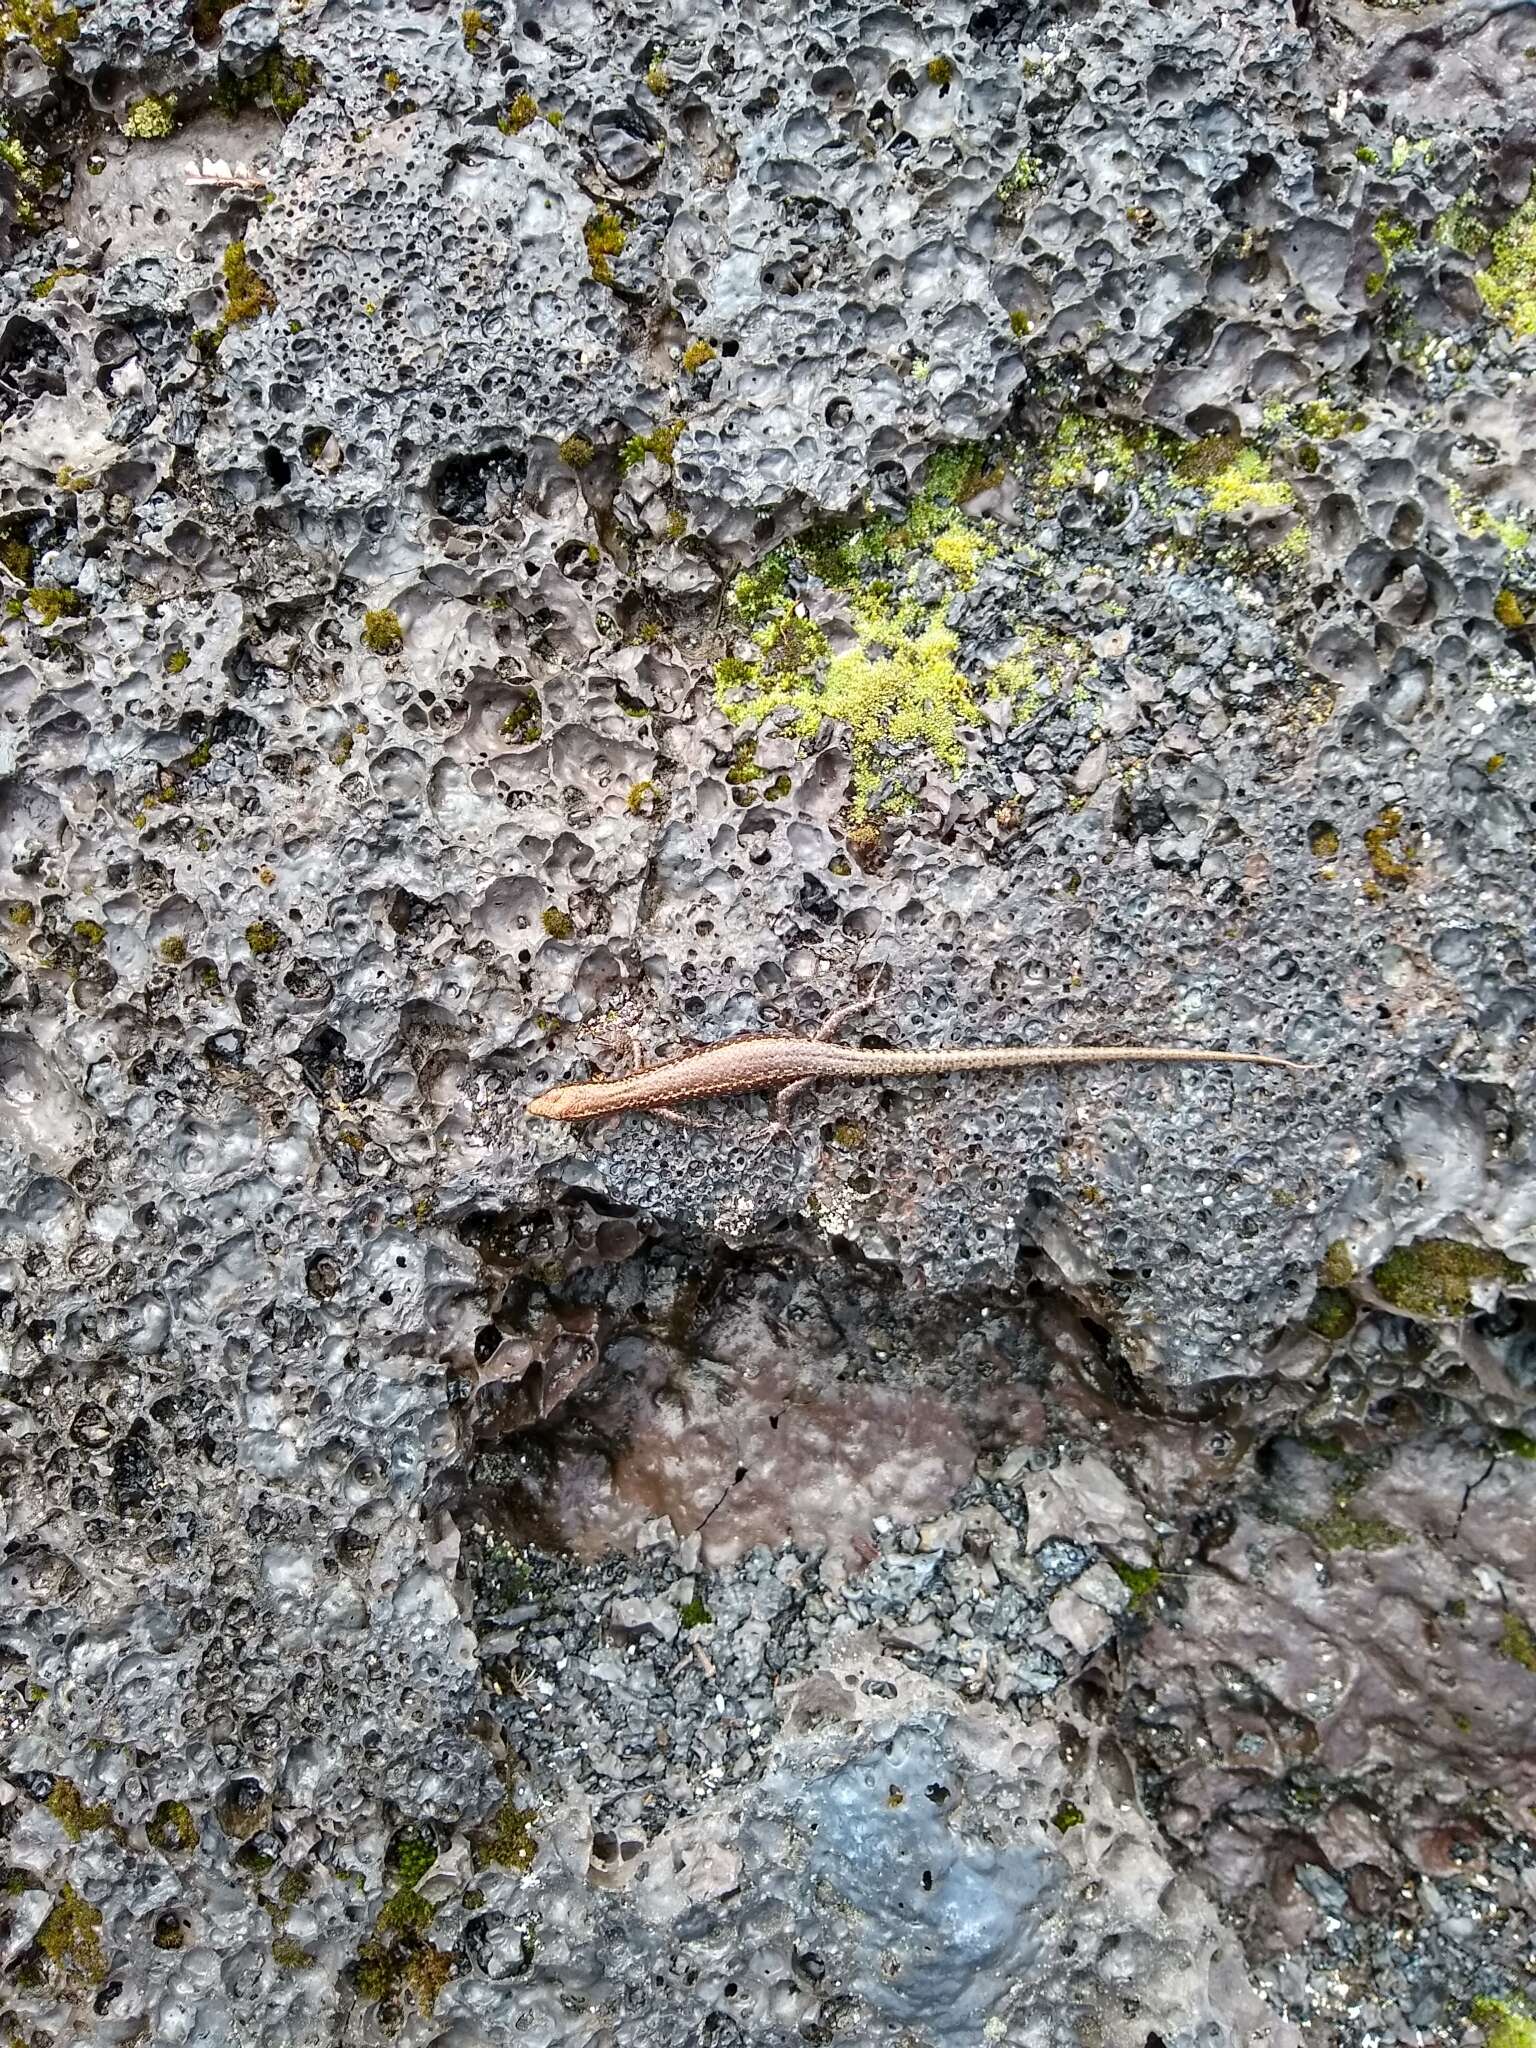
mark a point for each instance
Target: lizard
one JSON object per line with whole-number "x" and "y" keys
{"x": 789, "y": 1065}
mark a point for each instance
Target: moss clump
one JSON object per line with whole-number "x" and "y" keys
{"x": 475, "y": 26}
{"x": 1067, "y": 1816}
{"x": 521, "y": 114}
{"x": 1325, "y": 422}
{"x": 43, "y": 288}
{"x": 507, "y": 1840}
{"x": 1517, "y": 1443}
{"x": 1480, "y": 523}
{"x": 1140, "y": 1580}
{"x": 1322, "y": 842}
{"x": 1020, "y": 322}
{"x": 1504, "y": 2025}
{"x": 1246, "y": 483}
{"x": 64, "y": 1801}
{"x": 382, "y": 632}
{"x": 411, "y": 1855}
{"x": 660, "y": 441}
{"x": 1435, "y": 1277}
{"x": 559, "y": 924}
{"x": 1394, "y": 237}
{"x": 177, "y": 661}
{"x": 279, "y": 81}
{"x": 576, "y": 451}
{"x": 695, "y": 1614}
{"x": 940, "y": 70}
{"x": 639, "y": 797}
{"x": 1342, "y": 1529}
{"x": 1508, "y": 285}
{"x": 1338, "y": 1265}
{"x": 697, "y": 354}
{"x": 1332, "y": 1314}
{"x": 247, "y": 295}
{"x": 89, "y": 932}
{"x": 289, "y": 1954}
{"x": 172, "y": 1828}
{"x": 1509, "y": 611}
{"x": 48, "y": 28}
{"x": 604, "y": 236}
{"x": 16, "y": 556}
{"x": 21, "y": 915}
{"x": 1516, "y": 1641}
{"x": 1389, "y": 854}
{"x": 70, "y": 1937}
{"x": 522, "y": 724}
{"x": 263, "y": 938}
{"x": 657, "y": 81}
{"x": 152, "y": 118}
{"x": 406, "y": 1912}
{"x": 50, "y": 602}
{"x": 961, "y": 550}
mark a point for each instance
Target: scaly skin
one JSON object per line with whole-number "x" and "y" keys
{"x": 744, "y": 1065}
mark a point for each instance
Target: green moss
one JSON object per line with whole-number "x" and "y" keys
{"x": 43, "y": 288}
{"x": 1516, "y": 1641}
{"x": 263, "y": 938}
{"x": 47, "y": 27}
{"x": 172, "y": 1828}
{"x": 475, "y": 26}
{"x": 411, "y": 1855}
{"x": 279, "y": 81}
{"x": 1508, "y": 284}
{"x": 1325, "y": 422}
{"x": 375, "y": 1971}
{"x": 1343, "y": 1529}
{"x": 1480, "y": 523}
{"x": 1022, "y": 179}
{"x": 1463, "y": 228}
{"x": 961, "y": 550}
{"x": 64, "y": 1801}
{"x": 639, "y": 796}
{"x": 51, "y": 602}
{"x": 289, "y": 1954}
{"x": 1246, "y": 483}
{"x": 1394, "y": 237}
{"x": 405, "y": 1912}
{"x": 576, "y": 451}
{"x": 89, "y": 932}
{"x": 697, "y": 354}
{"x": 657, "y": 82}
{"x": 1504, "y": 2025}
{"x": 1435, "y": 1277}
{"x": 604, "y": 236}
{"x": 1338, "y": 1265}
{"x": 177, "y": 661}
{"x": 247, "y": 295}
{"x": 16, "y": 556}
{"x": 848, "y": 1134}
{"x": 427, "y": 1970}
{"x": 1388, "y": 852}
{"x": 1020, "y": 322}
{"x": 1517, "y": 1443}
{"x": 522, "y": 724}
{"x": 660, "y": 441}
{"x": 695, "y": 1614}
{"x": 382, "y": 632}
{"x": 559, "y": 924}
{"x": 21, "y": 915}
{"x": 1322, "y": 842}
{"x": 70, "y": 1937}
{"x": 1140, "y": 1580}
{"x": 1332, "y": 1314}
{"x": 940, "y": 71}
{"x": 1067, "y": 1816}
{"x": 522, "y": 113}
{"x": 507, "y": 1840}
{"x": 1509, "y": 611}
{"x": 152, "y": 118}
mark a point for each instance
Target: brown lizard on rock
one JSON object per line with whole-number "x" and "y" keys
{"x": 788, "y": 1066}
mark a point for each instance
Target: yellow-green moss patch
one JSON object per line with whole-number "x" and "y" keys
{"x": 247, "y": 295}
{"x": 559, "y": 924}
{"x": 1508, "y": 284}
{"x": 172, "y": 1827}
{"x": 697, "y": 354}
{"x": 1435, "y": 1277}
{"x": 47, "y": 27}
{"x": 521, "y": 114}
{"x": 70, "y": 1937}
{"x": 1504, "y": 2025}
{"x": 604, "y": 236}
{"x": 263, "y": 938}
{"x": 152, "y": 118}
{"x": 1516, "y": 1641}
{"x": 383, "y": 632}
{"x": 507, "y": 1840}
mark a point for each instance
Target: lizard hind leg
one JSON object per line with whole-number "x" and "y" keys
{"x": 835, "y": 1019}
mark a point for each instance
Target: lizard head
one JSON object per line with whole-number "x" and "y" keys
{"x": 568, "y": 1102}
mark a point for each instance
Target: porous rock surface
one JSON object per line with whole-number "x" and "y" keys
{"x": 545, "y": 531}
